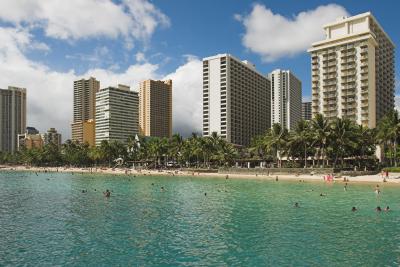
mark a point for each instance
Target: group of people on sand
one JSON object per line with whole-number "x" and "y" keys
{"x": 329, "y": 178}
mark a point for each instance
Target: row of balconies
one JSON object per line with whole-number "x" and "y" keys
{"x": 345, "y": 74}
{"x": 330, "y": 69}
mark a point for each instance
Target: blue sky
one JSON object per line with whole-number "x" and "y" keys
{"x": 47, "y": 44}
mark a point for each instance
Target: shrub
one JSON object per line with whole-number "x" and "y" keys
{"x": 392, "y": 169}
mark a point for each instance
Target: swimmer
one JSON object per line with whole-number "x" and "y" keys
{"x": 107, "y": 193}
{"x": 378, "y": 209}
{"x": 322, "y": 195}
{"x": 227, "y": 177}
{"x": 205, "y": 194}
{"x": 152, "y": 183}
{"x": 162, "y": 189}
{"x": 276, "y": 178}
{"x": 296, "y": 205}
{"x": 345, "y": 187}
{"x": 377, "y": 190}
{"x": 353, "y": 209}
{"x": 387, "y": 208}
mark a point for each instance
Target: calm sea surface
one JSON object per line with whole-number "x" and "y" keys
{"x": 46, "y": 220}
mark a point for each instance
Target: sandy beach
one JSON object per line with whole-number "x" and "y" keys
{"x": 394, "y": 178}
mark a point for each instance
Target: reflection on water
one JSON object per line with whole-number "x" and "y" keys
{"x": 47, "y": 220}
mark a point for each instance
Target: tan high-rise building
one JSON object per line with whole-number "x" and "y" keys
{"x": 83, "y": 124}
{"x": 12, "y": 117}
{"x": 353, "y": 71}
{"x": 155, "y": 108}
{"x": 84, "y": 132}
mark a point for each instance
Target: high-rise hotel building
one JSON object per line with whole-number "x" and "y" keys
{"x": 155, "y": 108}
{"x": 117, "y": 115}
{"x": 236, "y": 99}
{"x": 285, "y": 98}
{"x": 83, "y": 125}
{"x": 306, "y": 111}
{"x": 12, "y": 117}
{"x": 353, "y": 71}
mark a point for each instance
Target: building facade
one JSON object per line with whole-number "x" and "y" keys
{"x": 84, "y": 109}
{"x": 29, "y": 141}
{"x": 306, "y": 111}
{"x": 52, "y": 136}
{"x": 155, "y": 108}
{"x": 84, "y": 132}
{"x": 236, "y": 99}
{"x": 353, "y": 71}
{"x": 285, "y": 98}
{"x": 12, "y": 117}
{"x": 117, "y": 115}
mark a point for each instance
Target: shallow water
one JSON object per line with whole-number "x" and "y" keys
{"x": 46, "y": 220}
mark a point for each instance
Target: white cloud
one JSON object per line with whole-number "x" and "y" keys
{"x": 187, "y": 96}
{"x": 140, "y": 57}
{"x": 77, "y": 19}
{"x": 274, "y": 36}
{"x": 50, "y": 92}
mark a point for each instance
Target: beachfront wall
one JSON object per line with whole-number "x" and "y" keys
{"x": 299, "y": 171}
{"x": 268, "y": 171}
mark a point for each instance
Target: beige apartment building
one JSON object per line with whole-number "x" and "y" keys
{"x": 83, "y": 125}
{"x": 52, "y": 136}
{"x": 236, "y": 99}
{"x": 84, "y": 132}
{"x": 12, "y": 117}
{"x": 353, "y": 71}
{"x": 29, "y": 141}
{"x": 155, "y": 108}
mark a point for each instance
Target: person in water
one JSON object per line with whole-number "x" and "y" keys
{"x": 107, "y": 193}
{"x": 377, "y": 190}
{"x": 296, "y": 205}
{"x": 387, "y": 208}
{"x": 353, "y": 209}
{"x": 378, "y": 209}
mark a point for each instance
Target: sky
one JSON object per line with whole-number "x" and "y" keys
{"x": 47, "y": 44}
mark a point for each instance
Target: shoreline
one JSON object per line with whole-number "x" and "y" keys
{"x": 394, "y": 178}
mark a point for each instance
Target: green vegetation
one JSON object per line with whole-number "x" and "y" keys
{"x": 319, "y": 143}
{"x": 204, "y": 152}
{"x": 391, "y": 169}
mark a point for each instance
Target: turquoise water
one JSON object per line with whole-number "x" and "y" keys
{"x": 46, "y": 220}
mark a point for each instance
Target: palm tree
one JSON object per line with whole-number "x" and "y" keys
{"x": 365, "y": 143}
{"x": 175, "y": 150}
{"x": 275, "y": 141}
{"x": 300, "y": 141}
{"x": 343, "y": 133}
{"x": 321, "y": 130}
{"x": 389, "y": 133}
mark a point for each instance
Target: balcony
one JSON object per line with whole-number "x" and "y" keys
{"x": 349, "y": 80}
{"x": 349, "y": 66}
{"x": 348, "y": 94}
{"x": 329, "y": 77}
{"x": 329, "y": 110}
{"x": 348, "y": 73}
